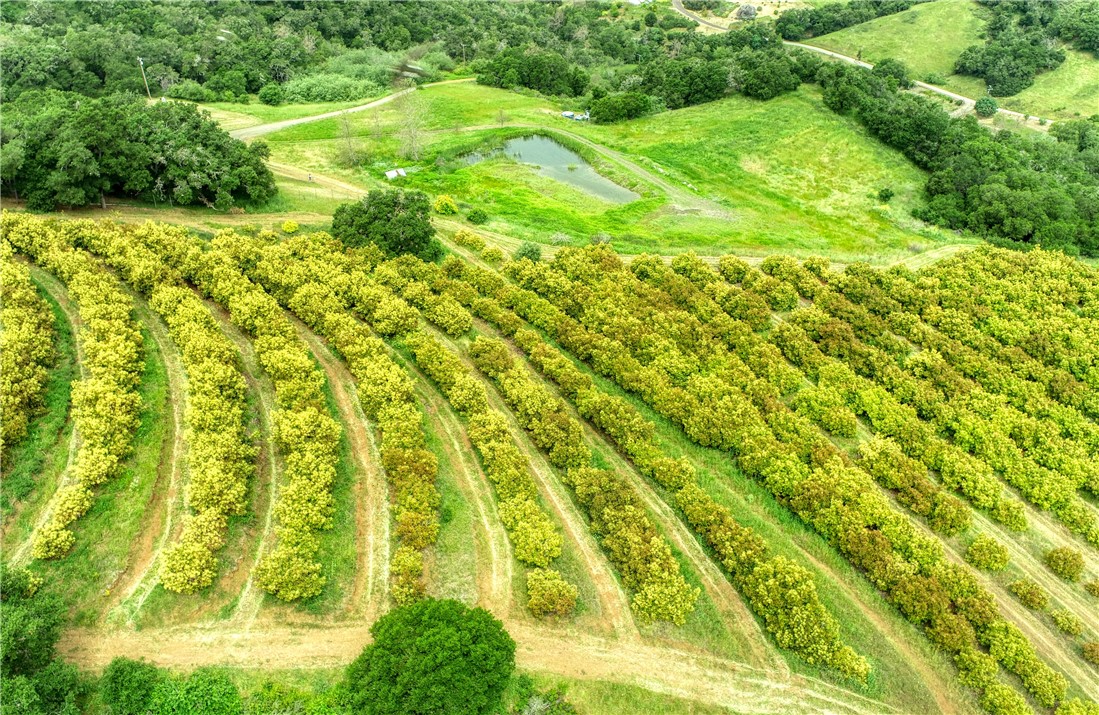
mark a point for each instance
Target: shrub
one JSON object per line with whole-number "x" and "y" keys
{"x": 1066, "y": 562}
{"x": 619, "y": 106}
{"x": 444, "y": 205}
{"x": 1091, "y": 652}
{"x": 1030, "y": 594}
{"x": 477, "y": 216}
{"x": 127, "y": 686}
{"x": 987, "y": 554}
{"x": 1092, "y": 587}
{"x": 999, "y": 699}
{"x": 528, "y": 250}
{"x": 895, "y": 70}
{"x": 207, "y": 690}
{"x": 1067, "y": 622}
{"x": 986, "y": 107}
{"x": 885, "y": 195}
{"x": 468, "y": 239}
{"x": 271, "y": 94}
{"x": 432, "y": 656}
{"x": 289, "y": 226}
{"x": 548, "y": 594}
{"x": 492, "y": 254}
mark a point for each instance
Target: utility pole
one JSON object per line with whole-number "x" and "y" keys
{"x": 142, "y": 63}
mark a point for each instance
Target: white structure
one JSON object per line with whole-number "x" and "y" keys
{"x": 394, "y": 173}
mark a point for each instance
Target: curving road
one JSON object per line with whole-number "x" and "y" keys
{"x": 967, "y": 102}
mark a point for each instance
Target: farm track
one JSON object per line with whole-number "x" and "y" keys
{"x": 60, "y": 294}
{"x": 495, "y": 592}
{"x": 132, "y": 587}
{"x": 265, "y": 486}
{"x": 702, "y": 678}
{"x": 368, "y": 593}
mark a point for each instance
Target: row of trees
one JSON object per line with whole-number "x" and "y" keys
{"x": 27, "y": 349}
{"x": 779, "y": 591}
{"x": 63, "y": 149}
{"x": 642, "y": 557}
{"x": 105, "y": 402}
{"x": 374, "y": 289}
{"x": 220, "y": 454}
{"x": 985, "y": 555}
{"x": 974, "y": 421}
{"x": 797, "y": 465}
{"x": 305, "y": 433}
{"x": 298, "y": 274}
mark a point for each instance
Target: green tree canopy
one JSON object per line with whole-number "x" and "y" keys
{"x": 396, "y": 221}
{"x": 432, "y": 657}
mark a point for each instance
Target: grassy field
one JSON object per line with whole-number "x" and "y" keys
{"x": 234, "y": 115}
{"x": 929, "y": 37}
{"x": 787, "y": 175}
{"x": 1070, "y": 91}
{"x": 954, "y": 25}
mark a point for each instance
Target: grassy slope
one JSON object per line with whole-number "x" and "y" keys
{"x": 952, "y": 24}
{"x": 929, "y": 38}
{"x": 795, "y": 176}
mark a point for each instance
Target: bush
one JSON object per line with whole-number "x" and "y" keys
{"x": 271, "y": 94}
{"x": 999, "y": 699}
{"x": 289, "y": 226}
{"x": 1067, "y": 622}
{"x": 1091, "y": 652}
{"x": 548, "y": 594}
{"x": 895, "y": 70}
{"x": 885, "y": 195}
{"x": 477, "y": 217}
{"x": 1030, "y": 594}
{"x": 1066, "y": 562}
{"x": 492, "y": 255}
{"x": 207, "y": 691}
{"x": 619, "y": 106}
{"x": 444, "y": 205}
{"x": 396, "y": 221}
{"x": 328, "y": 88}
{"x": 432, "y": 657}
{"x": 986, "y": 107}
{"x": 987, "y": 554}
{"x": 127, "y": 686}
{"x": 1092, "y": 587}
{"x": 528, "y": 250}
{"x": 468, "y": 239}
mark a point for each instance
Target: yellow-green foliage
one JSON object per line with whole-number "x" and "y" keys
{"x": 105, "y": 403}
{"x": 987, "y": 554}
{"x": 549, "y": 594}
{"x": 1067, "y": 621}
{"x": 306, "y": 435}
{"x": 468, "y": 239}
{"x": 221, "y": 454}
{"x": 740, "y": 550}
{"x": 492, "y": 255}
{"x": 445, "y": 205}
{"x": 26, "y": 348}
{"x": 301, "y": 274}
{"x": 289, "y": 227}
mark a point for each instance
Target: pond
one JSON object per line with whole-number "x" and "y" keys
{"x": 556, "y": 161}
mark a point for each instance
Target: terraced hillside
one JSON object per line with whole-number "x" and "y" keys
{"x": 769, "y": 488}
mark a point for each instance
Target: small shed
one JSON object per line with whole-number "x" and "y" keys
{"x": 394, "y": 173}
